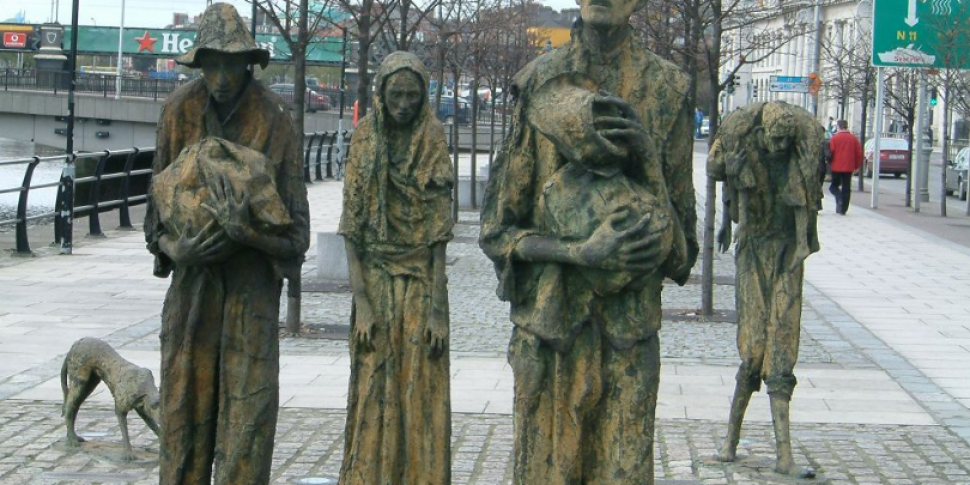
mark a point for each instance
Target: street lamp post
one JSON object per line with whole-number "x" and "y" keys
{"x": 121, "y": 33}
{"x": 67, "y": 176}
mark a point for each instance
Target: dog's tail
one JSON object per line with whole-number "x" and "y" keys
{"x": 64, "y": 384}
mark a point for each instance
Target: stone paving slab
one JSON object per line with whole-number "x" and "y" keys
{"x": 310, "y": 444}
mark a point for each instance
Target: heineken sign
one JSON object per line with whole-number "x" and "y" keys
{"x": 154, "y": 42}
{"x": 173, "y": 43}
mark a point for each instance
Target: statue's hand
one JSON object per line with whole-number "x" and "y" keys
{"x": 209, "y": 246}
{"x": 617, "y": 126}
{"x": 232, "y": 214}
{"x": 632, "y": 249}
{"x": 436, "y": 334}
{"x": 364, "y": 325}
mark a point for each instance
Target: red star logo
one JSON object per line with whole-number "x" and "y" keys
{"x": 146, "y": 43}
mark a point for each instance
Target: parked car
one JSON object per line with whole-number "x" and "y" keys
{"x": 956, "y": 174}
{"x": 705, "y": 127}
{"x": 893, "y": 159}
{"x": 313, "y": 101}
{"x": 446, "y": 110}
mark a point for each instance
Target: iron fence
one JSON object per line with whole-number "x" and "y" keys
{"x": 119, "y": 179}
{"x": 103, "y": 84}
{"x": 106, "y": 85}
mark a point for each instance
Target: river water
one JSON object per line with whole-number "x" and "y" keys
{"x": 12, "y": 176}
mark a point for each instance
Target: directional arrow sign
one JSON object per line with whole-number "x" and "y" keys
{"x": 919, "y": 33}
{"x": 911, "y": 18}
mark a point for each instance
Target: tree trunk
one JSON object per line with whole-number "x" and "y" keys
{"x": 472, "y": 191}
{"x": 911, "y": 120}
{"x": 454, "y": 140}
{"x": 946, "y": 140}
{"x": 710, "y": 187}
{"x": 363, "y": 57}
{"x": 862, "y": 134}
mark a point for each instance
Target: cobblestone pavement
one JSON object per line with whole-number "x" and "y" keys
{"x": 310, "y": 443}
{"x": 848, "y": 375}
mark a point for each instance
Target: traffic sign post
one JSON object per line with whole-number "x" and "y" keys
{"x": 917, "y": 33}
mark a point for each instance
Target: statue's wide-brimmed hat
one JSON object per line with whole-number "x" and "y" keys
{"x": 223, "y": 30}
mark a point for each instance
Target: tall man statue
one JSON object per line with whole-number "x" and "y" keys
{"x": 588, "y": 208}
{"x": 767, "y": 156}
{"x": 227, "y": 218}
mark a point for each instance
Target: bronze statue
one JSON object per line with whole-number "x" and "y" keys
{"x": 589, "y": 207}
{"x": 396, "y": 223}
{"x": 228, "y": 218}
{"x": 91, "y": 361}
{"x": 767, "y": 156}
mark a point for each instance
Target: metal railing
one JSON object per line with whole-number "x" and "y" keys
{"x": 103, "y": 84}
{"x": 315, "y": 166}
{"x": 136, "y": 87}
{"x": 119, "y": 179}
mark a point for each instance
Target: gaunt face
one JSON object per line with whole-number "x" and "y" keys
{"x": 224, "y": 74}
{"x": 607, "y": 14}
{"x": 403, "y": 94}
{"x": 779, "y": 135}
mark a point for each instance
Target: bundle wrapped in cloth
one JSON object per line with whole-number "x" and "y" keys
{"x": 181, "y": 188}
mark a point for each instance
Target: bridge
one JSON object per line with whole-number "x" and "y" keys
{"x": 40, "y": 116}
{"x": 33, "y": 107}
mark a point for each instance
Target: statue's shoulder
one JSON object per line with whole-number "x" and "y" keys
{"x": 663, "y": 70}
{"x": 189, "y": 96}
{"x": 540, "y": 69}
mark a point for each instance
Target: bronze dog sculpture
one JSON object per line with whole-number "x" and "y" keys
{"x": 91, "y": 361}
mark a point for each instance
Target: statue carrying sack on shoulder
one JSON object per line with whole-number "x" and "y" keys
{"x": 767, "y": 156}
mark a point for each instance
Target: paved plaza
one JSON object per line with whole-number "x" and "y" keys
{"x": 882, "y": 398}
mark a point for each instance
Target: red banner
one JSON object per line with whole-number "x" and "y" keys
{"x": 15, "y": 40}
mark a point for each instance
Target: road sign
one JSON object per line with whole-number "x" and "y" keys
{"x": 789, "y": 84}
{"x": 920, "y": 33}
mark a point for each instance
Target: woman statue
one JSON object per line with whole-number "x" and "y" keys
{"x": 396, "y": 222}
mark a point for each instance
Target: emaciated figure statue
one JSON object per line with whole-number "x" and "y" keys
{"x": 396, "y": 223}
{"x": 589, "y": 207}
{"x": 767, "y": 155}
{"x": 228, "y": 160}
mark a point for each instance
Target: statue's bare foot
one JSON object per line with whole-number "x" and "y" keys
{"x": 74, "y": 441}
{"x": 727, "y": 453}
{"x": 785, "y": 466}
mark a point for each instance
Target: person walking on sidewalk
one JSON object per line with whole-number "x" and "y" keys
{"x": 846, "y": 159}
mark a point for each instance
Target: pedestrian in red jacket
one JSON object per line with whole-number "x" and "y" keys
{"x": 846, "y": 159}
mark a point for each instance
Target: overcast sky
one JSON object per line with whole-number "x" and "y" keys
{"x": 138, "y": 13}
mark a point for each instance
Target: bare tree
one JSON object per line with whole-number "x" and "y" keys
{"x": 298, "y": 27}
{"x": 691, "y": 33}
{"x": 953, "y": 35}
{"x": 902, "y": 98}
{"x": 848, "y": 72}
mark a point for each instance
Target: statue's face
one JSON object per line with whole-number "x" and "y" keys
{"x": 224, "y": 74}
{"x": 607, "y": 14}
{"x": 403, "y": 93}
{"x": 779, "y": 138}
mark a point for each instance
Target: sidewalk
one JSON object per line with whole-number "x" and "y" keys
{"x": 882, "y": 394}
